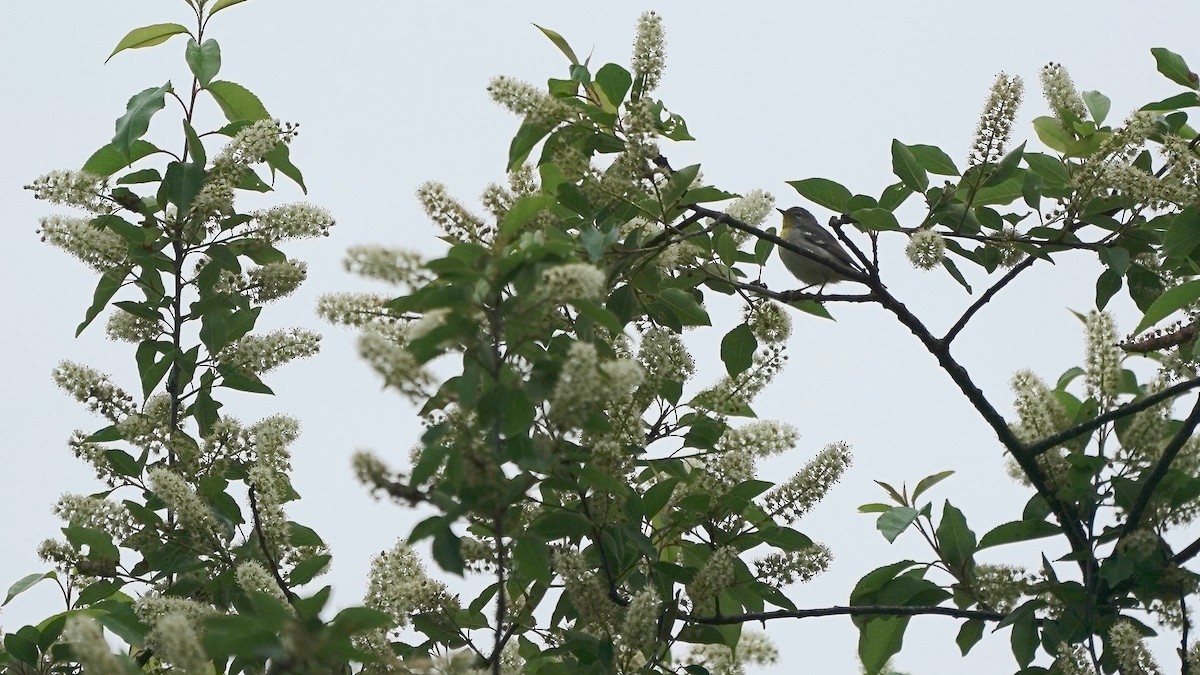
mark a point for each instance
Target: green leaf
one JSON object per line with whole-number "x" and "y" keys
{"x": 279, "y": 159}
{"x": 737, "y": 349}
{"x": 1018, "y": 530}
{"x": 893, "y": 196}
{"x": 896, "y": 520}
{"x": 614, "y": 81}
{"x": 955, "y": 539}
{"x": 1107, "y": 285}
{"x": 879, "y": 639}
{"x": 678, "y": 184}
{"x": 1168, "y": 303}
{"x": 523, "y": 210}
{"x": 1024, "y": 635}
{"x": 150, "y": 370}
{"x": 24, "y": 584}
{"x": 122, "y": 462}
{"x": 110, "y": 282}
{"x": 876, "y": 219}
{"x": 1098, "y": 105}
{"x": 108, "y": 160}
{"x": 560, "y": 43}
{"x": 1051, "y": 169}
{"x": 969, "y": 634}
{"x": 934, "y": 160}
{"x": 1183, "y": 235}
{"x": 1052, "y": 134}
{"x": 237, "y": 102}
{"x": 907, "y": 168}
{"x": 222, "y": 4}
{"x": 928, "y": 482}
{"x": 528, "y": 136}
{"x": 825, "y": 192}
{"x": 1175, "y": 68}
{"x": 359, "y": 619}
{"x": 140, "y": 176}
{"x": 447, "y": 551}
{"x": 306, "y": 569}
{"x": 22, "y": 645}
{"x": 684, "y": 305}
{"x": 182, "y": 182}
{"x": 1188, "y": 99}
{"x": 204, "y": 60}
{"x": 147, "y": 36}
{"x": 136, "y": 120}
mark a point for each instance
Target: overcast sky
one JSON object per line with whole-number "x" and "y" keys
{"x": 391, "y": 94}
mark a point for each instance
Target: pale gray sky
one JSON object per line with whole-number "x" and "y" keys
{"x": 390, "y": 94}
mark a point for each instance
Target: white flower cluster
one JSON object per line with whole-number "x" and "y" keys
{"x": 96, "y": 514}
{"x": 526, "y": 100}
{"x": 356, "y": 310}
{"x": 252, "y": 577}
{"x": 398, "y": 266}
{"x": 73, "y": 188}
{"x": 101, "y": 250}
{"x": 1001, "y": 586}
{"x": 123, "y": 326}
{"x": 573, "y": 281}
{"x": 1102, "y": 372}
{"x": 649, "y": 50}
{"x": 276, "y": 280}
{"x": 784, "y": 568}
{"x": 188, "y": 506}
{"x": 95, "y": 390}
{"x": 751, "y": 208}
{"x": 1061, "y": 94}
{"x": 639, "y": 630}
{"x": 87, "y": 642}
{"x": 451, "y": 216}
{"x": 1133, "y": 657}
{"x": 586, "y": 591}
{"x": 396, "y": 364}
{"x": 712, "y": 579}
{"x": 260, "y": 354}
{"x": 398, "y": 585}
{"x": 1038, "y": 410}
{"x": 176, "y": 640}
{"x": 761, "y": 438}
{"x": 925, "y": 249}
{"x": 996, "y": 121}
{"x": 152, "y": 607}
{"x": 769, "y": 322}
{"x": 585, "y": 384}
{"x": 752, "y": 649}
{"x": 293, "y": 221}
{"x": 809, "y": 486}
{"x": 253, "y": 142}
{"x": 664, "y": 357}
{"x": 1073, "y": 660}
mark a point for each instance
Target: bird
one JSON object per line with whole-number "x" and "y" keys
{"x": 829, "y": 262}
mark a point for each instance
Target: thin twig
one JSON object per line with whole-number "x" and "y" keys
{"x": 1150, "y": 483}
{"x": 859, "y": 610}
{"x": 983, "y": 299}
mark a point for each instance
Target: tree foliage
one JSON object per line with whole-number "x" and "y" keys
{"x": 569, "y": 456}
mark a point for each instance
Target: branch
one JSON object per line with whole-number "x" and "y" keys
{"x": 1182, "y": 435}
{"x": 857, "y": 610}
{"x": 845, "y": 270}
{"x": 266, "y": 551}
{"x": 1137, "y": 406}
{"x": 987, "y": 296}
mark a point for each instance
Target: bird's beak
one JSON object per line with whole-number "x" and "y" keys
{"x": 780, "y": 210}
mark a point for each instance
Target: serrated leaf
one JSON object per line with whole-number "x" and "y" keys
{"x": 1175, "y": 68}
{"x": 685, "y": 307}
{"x": 825, "y": 192}
{"x": 969, "y": 634}
{"x": 204, "y": 60}
{"x": 1168, "y": 303}
{"x": 737, "y": 349}
{"x": 614, "y": 81}
{"x": 1052, "y": 134}
{"x": 956, "y": 541}
{"x": 237, "y": 102}
{"x": 147, "y": 36}
{"x": 136, "y": 120}
{"x": 907, "y": 168}
{"x": 934, "y": 160}
{"x": 108, "y": 160}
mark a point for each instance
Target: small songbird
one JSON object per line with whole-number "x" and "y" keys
{"x": 829, "y": 264}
